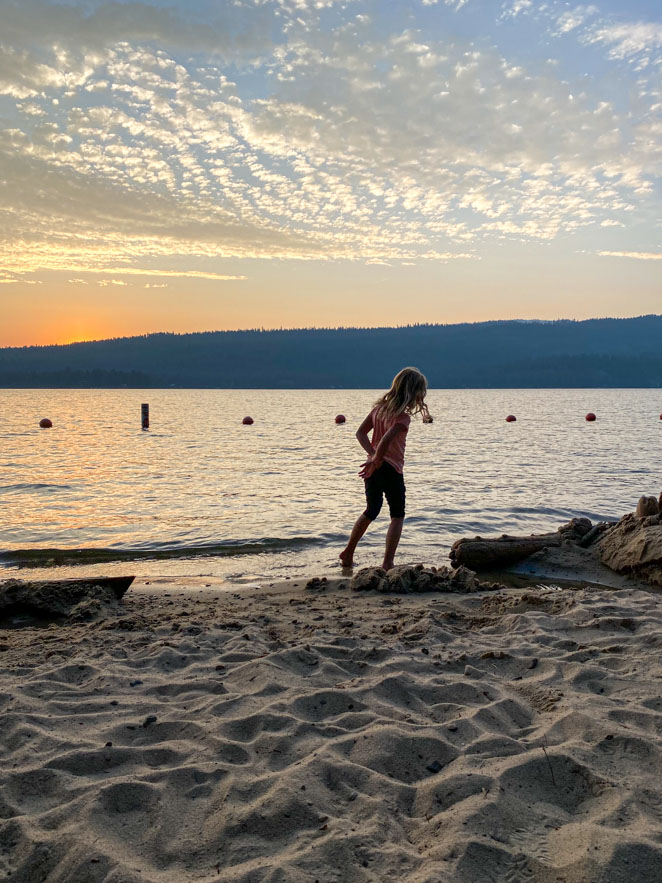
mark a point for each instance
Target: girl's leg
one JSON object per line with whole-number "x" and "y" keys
{"x": 392, "y": 539}
{"x": 361, "y": 526}
{"x": 395, "y": 494}
{"x": 374, "y": 495}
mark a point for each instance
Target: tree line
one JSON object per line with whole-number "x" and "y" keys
{"x": 565, "y": 353}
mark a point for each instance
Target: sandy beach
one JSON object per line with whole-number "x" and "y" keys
{"x": 286, "y": 733}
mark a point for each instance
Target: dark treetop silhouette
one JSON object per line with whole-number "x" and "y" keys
{"x": 565, "y": 353}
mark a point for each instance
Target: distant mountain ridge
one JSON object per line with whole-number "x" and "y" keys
{"x": 496, "y": 354}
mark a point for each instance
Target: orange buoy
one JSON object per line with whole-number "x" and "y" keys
{"x": 248, "y": 421}
{"x": 591, "y": 417}
{"x": 45, "y": 423}
{"x": 340, "y": 418}
{"x": 511, "y": 418}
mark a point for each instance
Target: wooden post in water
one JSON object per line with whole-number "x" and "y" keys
{"x": 144, "y": 415}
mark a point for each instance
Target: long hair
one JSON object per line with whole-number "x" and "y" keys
{"x": 406, "y": 395}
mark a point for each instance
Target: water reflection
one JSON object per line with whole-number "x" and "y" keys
{"x": 287, "y": 485}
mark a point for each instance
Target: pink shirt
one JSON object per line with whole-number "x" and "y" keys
{"x": 395, "y": 453}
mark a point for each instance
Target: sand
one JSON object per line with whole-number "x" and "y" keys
{"x": 283, "y": 734}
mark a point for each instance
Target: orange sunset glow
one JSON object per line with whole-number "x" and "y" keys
{"x": 328, "y": 168}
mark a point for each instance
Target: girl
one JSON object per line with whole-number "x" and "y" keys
{"x": 382, "y": 471}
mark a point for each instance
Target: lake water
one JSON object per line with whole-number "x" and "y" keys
{"x": 201, "y": 495}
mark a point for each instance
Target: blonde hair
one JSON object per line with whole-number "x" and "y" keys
{"x": 406, "y": 395}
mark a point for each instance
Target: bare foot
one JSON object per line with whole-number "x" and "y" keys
{"x": 346, "y": 558}
{"x": 387, "y": 565}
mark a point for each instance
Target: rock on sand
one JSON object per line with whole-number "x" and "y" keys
{"x": 634, "y": 546}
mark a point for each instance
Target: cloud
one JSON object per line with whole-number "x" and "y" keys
{"x": 455, "y": 4}
{"x": 512, "y": 8}
{"x": 232, "y": 28}
{"x": 46, "y": 44}
{"x": 636, "y": 255}
{"x": 571, "y": 19}
{"x": 138, "y": 135}
{"x": 478, "y": 133}
{"x": 135, "y": 271}
{"x": 627, "y": 39}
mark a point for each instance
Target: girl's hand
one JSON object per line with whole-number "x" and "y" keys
{"x": 369, "y": 467}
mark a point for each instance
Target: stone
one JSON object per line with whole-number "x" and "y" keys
{"x": 406, "y": 579}
{"x": 634, "y": 546}
{"x": 575, "y": 529}
{"x": 89, "y": 609}
{"x": 316, "y": 584}
{"x": 464, "y": 579}
{"x": 647, "y": 506}
{"x": 368, "y": 579}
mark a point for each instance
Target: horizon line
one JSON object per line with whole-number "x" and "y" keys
{"x": 266, "y": 330}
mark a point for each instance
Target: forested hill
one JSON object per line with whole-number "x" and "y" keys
{"x": 591, "y": 353}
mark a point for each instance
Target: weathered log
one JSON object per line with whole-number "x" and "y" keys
{"x": 117, "y": 584}
{"x": 62, "y": 598}
{"x": 493, "y": 553}
{"x": 596, "y": 531}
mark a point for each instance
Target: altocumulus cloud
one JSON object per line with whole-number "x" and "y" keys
{"x": 309, "y": 130}
{"x": 636, "y": 255}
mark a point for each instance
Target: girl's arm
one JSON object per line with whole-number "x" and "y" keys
{"x": 362, "y": 435}
{"x": 377, "y": 458}
{"x": 385, "y": 441}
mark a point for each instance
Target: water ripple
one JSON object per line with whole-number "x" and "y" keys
{"x": 200, "y": 490}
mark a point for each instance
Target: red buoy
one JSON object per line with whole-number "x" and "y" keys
{"x": 340, "y": 418}
{"x": 248, "y": 421}
{"x": 511, "y": 418}
{"x": 591, "y": 417}
{"x": 45, "y": 423}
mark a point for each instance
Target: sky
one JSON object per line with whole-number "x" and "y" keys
{"x": 213, "y": 164}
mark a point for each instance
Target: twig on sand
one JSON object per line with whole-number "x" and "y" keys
{"x": 549, "y": 764}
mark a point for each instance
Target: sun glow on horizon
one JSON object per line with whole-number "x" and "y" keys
{"x": 77, "y": 331}
{"x": 77, "y": 339}
{"x": 316, "y": 163}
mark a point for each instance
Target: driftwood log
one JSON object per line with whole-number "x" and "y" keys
{"x": 493, "y": 553}
{"x": 83, "y": 598}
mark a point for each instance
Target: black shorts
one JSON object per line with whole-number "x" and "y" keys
{"x": 385, "y": 480}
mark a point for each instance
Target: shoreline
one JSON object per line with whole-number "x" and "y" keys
{"x": 565, "y": 566}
